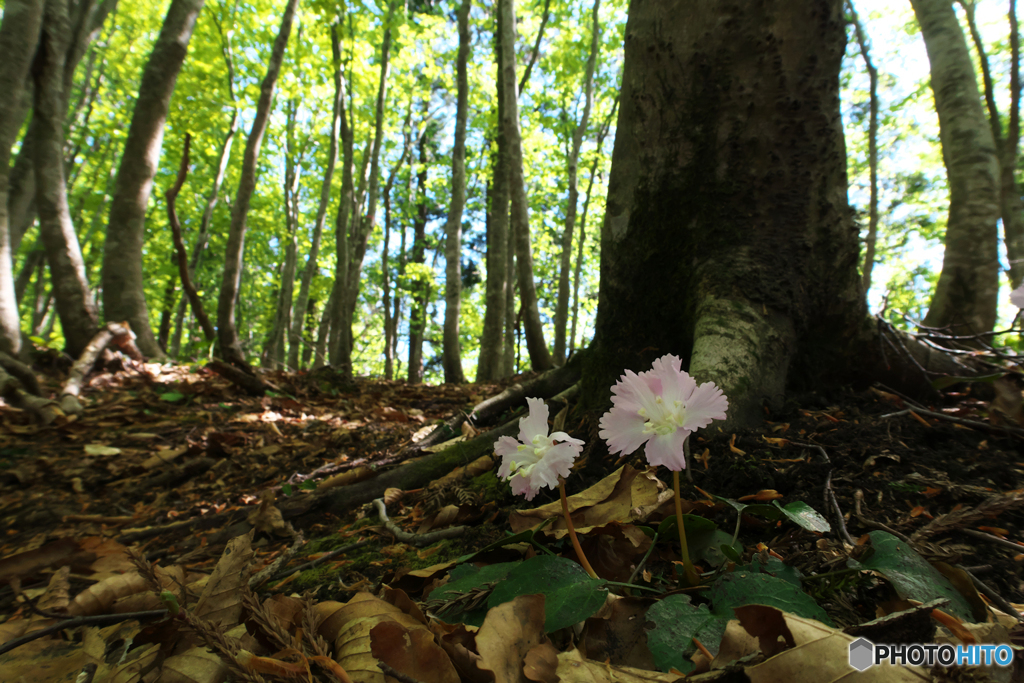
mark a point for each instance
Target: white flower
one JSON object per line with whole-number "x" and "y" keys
{"x": 536, "y": 460}
{"x": 660, "y": 408}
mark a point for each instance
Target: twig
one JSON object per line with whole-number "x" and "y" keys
{"x": 993, "y": 539}
{"x": 999, "y": 600}
{"x": 397, "y": 675}
{"x": 960, "y": 420}
{"x": 831, "y": 501}
{"x": 858, "y": 498}
{"x": 96, "y": 620}
{"x": 415, "y": 539}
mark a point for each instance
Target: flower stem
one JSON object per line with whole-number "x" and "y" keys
{"x": 691, "y": 573}
{"x": 572, "y": 531}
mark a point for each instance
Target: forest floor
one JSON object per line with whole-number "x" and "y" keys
{"x": 177, "y": 463}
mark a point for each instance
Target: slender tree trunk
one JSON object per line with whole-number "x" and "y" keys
{"x": 321, "y": 213}
{"x": 274, "y": 353}
{"x": 966, "y": 294}
{"x": 540, "y": 358}
{"x": 362, "y": 226}
{"x": 489, "y": 364}
{"x": 420, "y": 289}
{"x": 1009, "y": 197}
{"x": 85, "y": 24}
{"x": 323, "y": 334}
{"x": 390, "y": 319}
{"x": 346, "y": 208}
{"x": 578, "y": 269}
{"x": 535, "y": 52}
{"x": 67, "y": 269}
{"x": 565, "y": 265}
{"x": 510, "y": 348}
{"x": 872, "y": 238}
{"x": 227, "y": 333}
{"x": 203, "y": 236}
{"x": 768, "y": 295}
{"x": 19, "y": 35}
{"x": 124, "y": 296}
{"x": 452, "y": 357}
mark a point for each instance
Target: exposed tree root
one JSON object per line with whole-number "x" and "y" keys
{"x": 12, "y": 391}
{"x": 24, "y": 373}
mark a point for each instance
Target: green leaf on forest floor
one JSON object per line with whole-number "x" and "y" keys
{"x": 464, "y": 580}
{"x": 746, "y": 587}
{"x": 713, "y": 547}
{"x": 693, "y": 524}
{"x": 676, "y": 624}
{"x": 911, "y": 575}
{"x": 171, "y": 396}
{"x": 525, "y": 536}
{"x": 804, "y": 516}
{"x": 570, "y": 594}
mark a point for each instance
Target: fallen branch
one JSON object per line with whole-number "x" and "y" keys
{"x": 415, "y": 539}
{"x": 96, "y": 620}
{"x": 249, "y": 383}
{"x": 118, "y": 333}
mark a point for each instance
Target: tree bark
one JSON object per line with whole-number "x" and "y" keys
{"x": 274, "y": 354}
{"x": 391, "y": 319}
{"x": 489, "y": 364}
{"x": 19, "y": 35}
{"x": 227, "y": 333}
{"x": 540, "y": 357}
{"x": 966, "y": 294}
{"x": 362, "y": 226}
{"x": 321, "y": 213}
{"x": 203, "y": 236}
{"x": 872, "y": 237}
{"x": 346, "y": 207}
{"x": 1010, "y": 207}
{"x": 565, "y": 264}
{"x": 420, "y": 289}
{"x": 124, "y": 296}
{"x": 84, "y": 25}
{"x": 730, "y": 150}
{"x": 452, "y": 356}
{"x": 67, "y": 269}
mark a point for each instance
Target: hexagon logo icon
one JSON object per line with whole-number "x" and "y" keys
{"x": 862, "y": 654}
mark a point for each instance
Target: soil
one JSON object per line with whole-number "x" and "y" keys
{"x": 175, "y": 461}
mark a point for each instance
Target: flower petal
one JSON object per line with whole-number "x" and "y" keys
{"x": 676, "y": 384}
{"x": 667, "y": 450}
{"x": 506, "y": 445}
{"x": 562, "y": 436}
{"x": 623, "y": 430}
{"x": 523, "y": 486}
{"x": 706, "y": 404}
{"x": 536, "y": 422}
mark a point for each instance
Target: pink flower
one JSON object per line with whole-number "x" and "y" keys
{"x": 1017, "y": 297}
{"x": 536, "y": 460}
{"x": 660, "y": 408}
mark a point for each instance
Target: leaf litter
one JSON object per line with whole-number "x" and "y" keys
{"x": 168, "y": 534}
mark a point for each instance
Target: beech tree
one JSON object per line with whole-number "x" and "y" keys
{"x": 19, "y": 34}
{"x": 729, "y": 150}
{"x": 227, "y": 332}
{"x": 123, "y": 294}
{"x": 965, "y": 296}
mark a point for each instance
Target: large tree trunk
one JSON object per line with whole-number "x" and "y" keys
{"x": 729, "y": 152}
{"x": 227, "y": 333}
{"x": 965, "y": 296}
{"x": 540, "y": 357}
{"x": 67, "y": 269}
{"x": 19, "y": 35}
{"x": 452, "y": 357}
{"x": 85, "y": 22}
{"x": 489, "y": 364}
{"x": 124, "y": 296}
{"x": 309, "y": 271}
{"x": 565, "y": 264}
